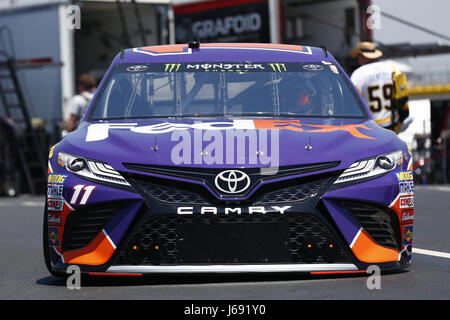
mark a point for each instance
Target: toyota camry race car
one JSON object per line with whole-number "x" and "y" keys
{"x": 228, "y": 158}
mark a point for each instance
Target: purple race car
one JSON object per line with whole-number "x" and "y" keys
{"x": 224, "y": 158}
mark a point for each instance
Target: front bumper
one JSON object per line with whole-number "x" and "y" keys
{"x": 123, "y": 241}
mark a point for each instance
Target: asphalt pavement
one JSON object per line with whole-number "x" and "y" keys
{"x": 23, "y": 274}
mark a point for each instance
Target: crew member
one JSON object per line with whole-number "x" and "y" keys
{"x": 86, "y": 86}
{"x": 382, "y": 86}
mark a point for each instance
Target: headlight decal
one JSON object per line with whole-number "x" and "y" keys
{"x": 90, "y": 169}
{"x": 371, "y": 167}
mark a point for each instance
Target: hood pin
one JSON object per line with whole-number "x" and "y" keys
{"x": 308, "y": 146}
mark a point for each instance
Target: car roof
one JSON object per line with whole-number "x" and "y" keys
{"x": 211, "y": 52}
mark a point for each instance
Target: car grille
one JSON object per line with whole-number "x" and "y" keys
{"x": 289, "y": 191}
{"x": 168, "y": 194}
{"x": 381, "y": 223}
{"x": 224, "y": 239}
{"x": 298, "y": 192}
{"x": 83, "y": 225}
{"x": 205, "y": 176}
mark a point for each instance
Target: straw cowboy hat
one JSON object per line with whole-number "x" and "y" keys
{"x": 367, "y": 50}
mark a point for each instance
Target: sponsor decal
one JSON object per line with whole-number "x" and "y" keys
{"x": 408, "y": 235}
{"x": 407, "y": 216}
{"x": 405, "y": 175}
{"x": 232, "y": 181}
{"x": 409, "y": 149}
{"x": 172, "y": 67}
{"x": 50, "y": 154}
{"x": 54, "y": 219}
{"x": 55, "y": 191}
{"x": 53, "y": 237}
{"x": 232, "y": 210}
{"x": 239, "y": 67}
{"x": 406, "y": 202}
{"x": 137, "y": 68}
{"x": 100, "y": 131}
{"x": 406, "y": 188}
{"x": 278, "y": 67}
{"x": 56, "y": 178}
{"x": 55, "y": 205}
{"x": 312, "y": 67}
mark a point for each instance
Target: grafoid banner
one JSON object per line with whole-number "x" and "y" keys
{"x": 223, "y": 21}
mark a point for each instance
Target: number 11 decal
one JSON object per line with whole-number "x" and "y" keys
{"x": 76, "y": 193}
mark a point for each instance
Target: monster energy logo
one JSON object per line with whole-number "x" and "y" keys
{"x": 172, "y": 67}
{"x": 278, "y": 67}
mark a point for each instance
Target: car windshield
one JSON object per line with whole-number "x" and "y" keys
{"x": 226, "y": 90}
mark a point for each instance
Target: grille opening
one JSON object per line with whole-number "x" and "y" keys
{"x": 170, "y": 192}
{"x": 294, "y": 190}
{"x": 381, "y": 223}
{"x": 231, "y": 239}
{"x": 83, "y": 225}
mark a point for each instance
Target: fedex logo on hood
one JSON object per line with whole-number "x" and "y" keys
{"x": 100, "y": 131}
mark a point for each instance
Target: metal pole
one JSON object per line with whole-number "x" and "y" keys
{"x": 139, "y": 22}
{"x": 124, "y": 24}
{"x": 274, "y": 23}
{"x": 171, "y": 20}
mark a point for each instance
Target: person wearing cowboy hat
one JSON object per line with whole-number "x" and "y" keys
{"x": 383, "y": 88}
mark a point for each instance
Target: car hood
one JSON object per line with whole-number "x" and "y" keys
{"x": 219, "y": 143}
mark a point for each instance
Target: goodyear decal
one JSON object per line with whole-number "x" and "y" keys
{"x": 53, "y": 237}
{"x": 56, "y": 178}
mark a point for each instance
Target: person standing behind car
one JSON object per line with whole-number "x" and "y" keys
{"x": 86, "y": 86}
{"x": 383, "y": 88}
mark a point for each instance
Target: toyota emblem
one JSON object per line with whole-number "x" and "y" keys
{"x": 232, "y": 181}
{"x": 137, "y": 68}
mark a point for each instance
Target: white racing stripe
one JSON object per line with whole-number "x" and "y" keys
{"x": 431, "y": 253}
